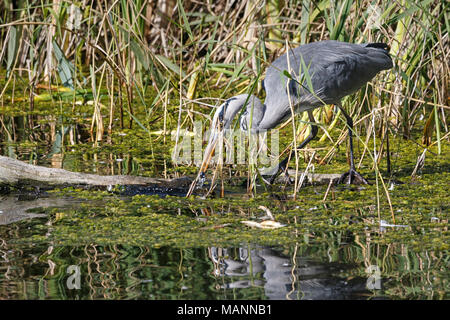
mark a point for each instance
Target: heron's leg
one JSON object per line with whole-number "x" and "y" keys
{"x": 351, "y": 176}
{"x": 283, "y": 164}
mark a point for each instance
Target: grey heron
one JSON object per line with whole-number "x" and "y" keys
{"x": 332, "y": 68}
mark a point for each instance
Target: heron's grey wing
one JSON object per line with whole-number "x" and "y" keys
{"x": 353, "y": 70}
{"x": 335, "y": 69}
{"x": 282, "y": 91}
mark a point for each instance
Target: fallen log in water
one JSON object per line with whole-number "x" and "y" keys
{"x": 13, "y": 172}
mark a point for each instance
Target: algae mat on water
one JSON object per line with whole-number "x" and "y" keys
{"x": 421, "y": 212}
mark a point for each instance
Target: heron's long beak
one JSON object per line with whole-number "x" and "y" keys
{"x": 207, "y": 156}
{"x": 216, "y": 127}
{"x": 209, "y": 152}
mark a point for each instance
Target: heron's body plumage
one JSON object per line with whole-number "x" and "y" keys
{"x": 318, "y": 73}
{"x": 336, "y": 69}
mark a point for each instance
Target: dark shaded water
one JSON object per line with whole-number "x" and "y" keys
{"x": 130, "y": 272}
{"x": 250, "y": 271}
{"x": 168, "y": 273}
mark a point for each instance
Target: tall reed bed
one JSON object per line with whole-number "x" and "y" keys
{"x": 180, "y": 52}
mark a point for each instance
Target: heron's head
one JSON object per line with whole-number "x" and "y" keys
{"x": 221, "y": 121}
